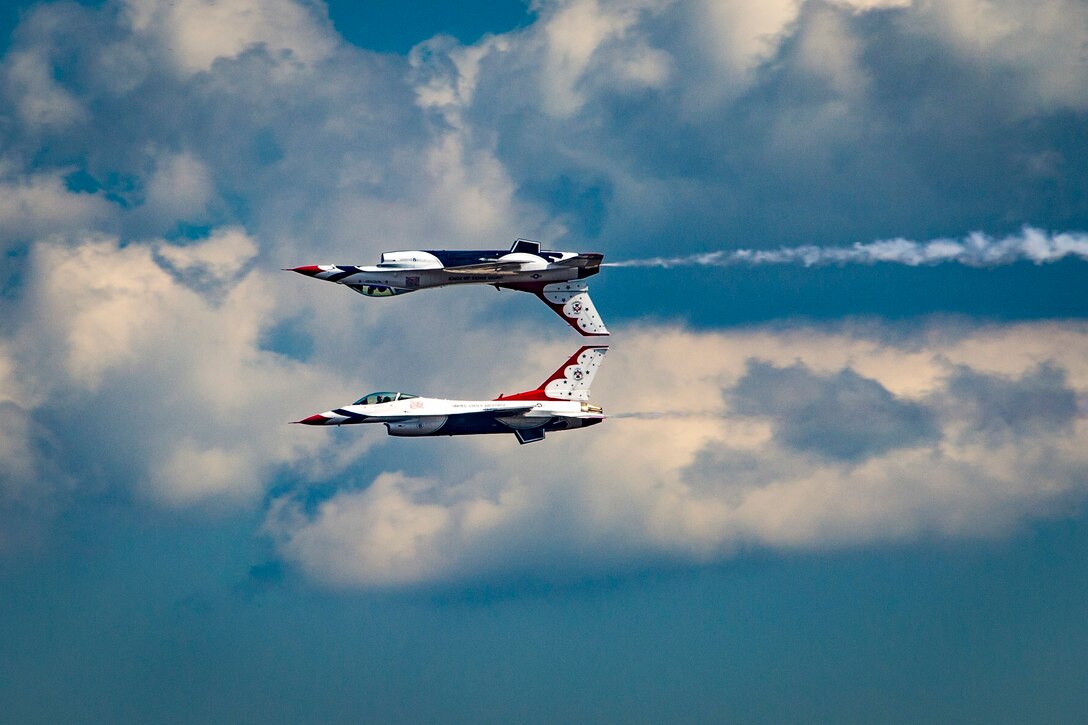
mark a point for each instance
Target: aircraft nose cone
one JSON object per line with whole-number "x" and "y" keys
{"x": 312, "y": 420}
{"x": 310, "y": 270}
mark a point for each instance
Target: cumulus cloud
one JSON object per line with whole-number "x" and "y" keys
{"x": 161, "y": 383}
{"x": 770, "y": 123}
{"x": 1041, "y": 44}
{"x": 162, "y": 159}
{"x": 179, "y": 188}
{"x": 40, "y": 203}
{"x": 197, "y": 33}
{"x": 809, "y": 448}
{"x": 41, "y": 101}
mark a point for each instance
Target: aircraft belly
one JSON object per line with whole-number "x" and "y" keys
{"x": 488, "y": 423}
{"x": 472, "y": 424}
{"x": 424, "y": 425}
{"x": 558, "y": 274}
{"x": 407, "y": 279}
{"x": 520, "y": 421}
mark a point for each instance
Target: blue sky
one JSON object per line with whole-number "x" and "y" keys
{"x": 849, "y": 491}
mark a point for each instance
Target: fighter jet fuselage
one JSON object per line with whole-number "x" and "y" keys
{"x": 554, "y": 277}
{"x": 559, "y": 403}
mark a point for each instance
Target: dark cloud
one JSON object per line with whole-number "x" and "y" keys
{"x": 32, "y": 486}
{"x": 998, "y": 409}
{"x": 842, "y": 416}
{"x": 730, "y": 475}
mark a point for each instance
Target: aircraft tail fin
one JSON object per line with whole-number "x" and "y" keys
{"x": 571, "y": 381}
{"x": 570, "y": 300}
{"x": 525, "y": 246}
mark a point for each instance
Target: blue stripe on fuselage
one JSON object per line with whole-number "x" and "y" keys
{"x": 351, "y": 417}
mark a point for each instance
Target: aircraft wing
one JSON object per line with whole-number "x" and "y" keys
{"x": 505, "y": 412}
{"x": 491, "y": 410}
{"x": 486, "y": 268}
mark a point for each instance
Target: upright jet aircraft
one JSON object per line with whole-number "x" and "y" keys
{"x": 554, "y": 277}
{"x": 559, "y": 403}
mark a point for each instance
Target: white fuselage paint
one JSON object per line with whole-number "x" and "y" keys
{"x": 421, "y": 278}
{"x": 426, "y": 407}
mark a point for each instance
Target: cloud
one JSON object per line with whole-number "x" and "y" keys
{"x": 770, "y": 124}
{"x": 641, "y": 125}
{"x": 179, "y": 188}
{"x": 1041, "y": 46}
{"x": 25, "y": 477}
{"x": 41, "y": 101}
{"x": 198, "y": 33}
{"x": 804, "y": 451}
{"x": 155, "y": 384}
{"x": 389, "y": 533}
{"x": 39, "y": 203}
{"x": 1038, "y": 403}
{"x": 161, "y": 160}
{"x": 843, "y": 416}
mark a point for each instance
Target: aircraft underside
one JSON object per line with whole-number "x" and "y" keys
{"x": 526, "y": 430}
{"x": 557, "y": 278}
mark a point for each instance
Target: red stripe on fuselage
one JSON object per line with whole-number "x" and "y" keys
{"x": 527, "y": 395}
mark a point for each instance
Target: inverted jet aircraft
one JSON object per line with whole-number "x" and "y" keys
{"x": 559, "y": 403}
{"x": 554, "y": 277}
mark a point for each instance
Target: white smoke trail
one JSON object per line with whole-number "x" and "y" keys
{"x": 976, "y": 250}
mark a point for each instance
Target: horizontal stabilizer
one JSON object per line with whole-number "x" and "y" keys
{"x": 590, "y": 260}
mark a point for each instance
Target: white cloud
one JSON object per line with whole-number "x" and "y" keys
{"x": 179, "y": 188}
{"x": 1044, "y": 42}
{"x": 741, "y": 35}
{"x": 865, "y": 5}
{"x": 169, "y": 383}
{"x": 669, "y": 121}
{"x": 37, "y": 204}
{"x": 41, "y": 101}
{"x": 577, "y": 33}
{"x": 198, "y": 32}
{"x": 702, "y": 481}
{"x": 222, "y": 257}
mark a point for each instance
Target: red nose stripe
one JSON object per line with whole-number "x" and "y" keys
{"x": 309, "y": 270}
{"x": 313, "y": 420}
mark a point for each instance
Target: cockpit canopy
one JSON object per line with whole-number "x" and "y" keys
{"x": 376, "y": 398}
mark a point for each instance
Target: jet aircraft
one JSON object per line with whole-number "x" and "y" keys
{"x": 561, "y": 402}
{"x": 554, "y": 277}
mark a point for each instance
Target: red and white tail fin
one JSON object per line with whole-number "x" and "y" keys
{"x": 571, "y": 381}
{"x": 570, "y": 300}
